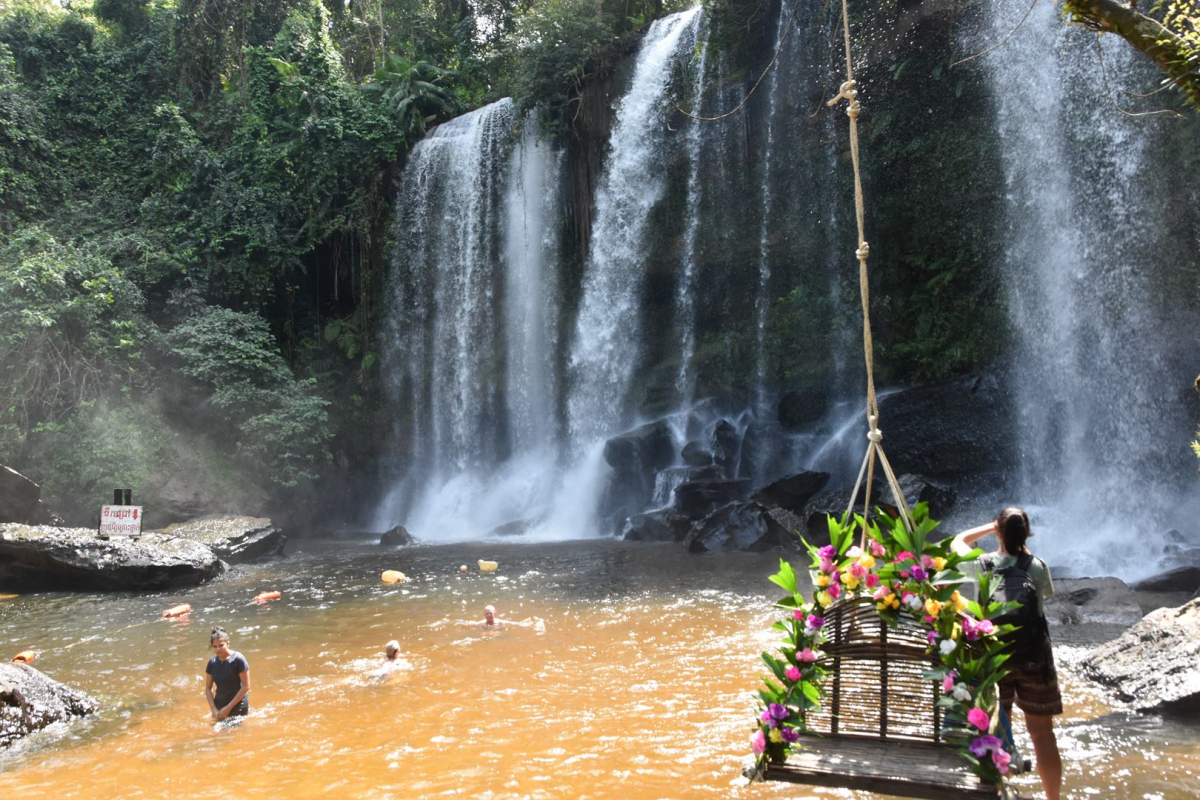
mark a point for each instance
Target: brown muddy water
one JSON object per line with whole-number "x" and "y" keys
{"x": 634, "y": 677}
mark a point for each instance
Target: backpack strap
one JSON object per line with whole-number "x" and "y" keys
{"x": 1025, "y": 561}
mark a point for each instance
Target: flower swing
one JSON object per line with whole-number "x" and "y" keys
{"x": 886, "y": 678}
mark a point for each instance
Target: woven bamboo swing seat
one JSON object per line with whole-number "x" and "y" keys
{"x": 878, "y": 728}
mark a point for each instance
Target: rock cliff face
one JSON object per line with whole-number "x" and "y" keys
{"x": 41, "y": 558}
{"x": 29, "y": 701}
{"x": 1155, "y": 665}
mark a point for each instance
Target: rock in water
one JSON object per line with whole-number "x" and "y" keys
{"x": 29, "y": 701}
{"x": 39, "y": 558}
{"x": 1155, "y": 665}
{"x": 694, "y": 455}
{"x": 1181, "y": 579}
{"x": 664, "y": 525}
{"x": 696, "y": 498}
{"x": 734, "y": 527}
{"x": 396, "y": 537}
{"x": 1107, "y": 601}
{"x": 793, "y": 491}
{"x": 235, "y": 540}
{"x": 18, "y": 497}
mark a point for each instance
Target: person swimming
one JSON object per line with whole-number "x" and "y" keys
{"x": 490, "y": 621}
{"x": 391, "y": 652}
{"x": 229, "y": 672}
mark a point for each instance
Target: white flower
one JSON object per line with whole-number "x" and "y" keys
{"x": 854, "y": 552}
{"x": 915, "y": 602}
{"x": 961, "y": 692}
{"x": 947, "y": 646}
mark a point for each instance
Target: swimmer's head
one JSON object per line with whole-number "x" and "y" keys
{"x": 489, "y": 614}
{"x": 392, "y": 649}
{"x": 219, "y": 641}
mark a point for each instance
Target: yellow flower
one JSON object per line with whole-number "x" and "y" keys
{"x": 775, "y": 735}
{"x": 881, "y": 606}
{"x": 822, "y": 580}
{"x": 849, "y": 581}
{"x": 867, "y": 560}
{"x": 960, "y": 602}
{"x": 893, "y": 600}
{"x": 933, "y": 607}
{"x": 939, "y": 564}
{"x": 824, "y": 599}
{"x": 957, "y": 630}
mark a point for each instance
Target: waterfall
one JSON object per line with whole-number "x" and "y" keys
{"x": 762, "y": 298}
{"x": 605, "y": 348}
{"x": 1093, "y": 394}
{"x": 531, "y": 245}
{"x": 685, "y": 303}
{"x": 471, "y": 350}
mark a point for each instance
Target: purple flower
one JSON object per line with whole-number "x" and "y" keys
{"x": 932, "y": 636}
{"x": 984, "y": 743}
{"x": 918, "y": 574}
{"x": 986, "y": 627}
{"x": 777, "y": 711}
{"x": 767, "y": 718}
{"x": 790, "y": 735}
{"x": 827, "y": 551}
{"x": 814, "y": 622}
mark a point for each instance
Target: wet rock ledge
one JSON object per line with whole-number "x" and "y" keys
{"x": 29, "y": 701}
{"x": 44, "y": 558}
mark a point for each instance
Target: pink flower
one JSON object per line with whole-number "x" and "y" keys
{"x": 930, "y": 620}
{"x": 948, "y": 681}
{"x": 903, "y": 555}
{"x": 927, "y": 562}
{"x": 827, "y": 566}
{"x": 834, "y": 591}
{"x": 797, "y": 613}
{"x": 827, "y": 552}
{"x": 806, "y": 656}
{"x": 1001, "y": 759}
{"x": 759, "y": 742}
{"x": 979, "y": 718}
{"x": 872, "y": 581}
{"x": 877, "y": 549}
{"x": 986, "y": 627}
{"x": 792, "y": 674}
{"x": 970, "y": 629}
{"x": 858, "y": 571}
{"x": 932, "y": 636}
{"x": 881, "y": 592}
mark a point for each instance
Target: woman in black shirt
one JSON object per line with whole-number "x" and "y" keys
{"x": 230, "y": 673}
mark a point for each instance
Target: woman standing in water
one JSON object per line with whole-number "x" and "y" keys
{"x": 230, "y": 673}
{"x": 1032, "y": 681}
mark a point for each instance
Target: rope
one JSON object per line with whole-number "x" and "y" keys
{"x": 849, "y": 93}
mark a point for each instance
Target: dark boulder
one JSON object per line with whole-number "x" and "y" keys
{"x": 41, "y": 558}
{"x": 1184, "y": 579}
{"x": 396, "y": 537}
{"x": 697, "y": 498}
{"x": 235, "y": 540}
{"x": 960, "y": 427}
{"x": 724, "y": 445}
{"x": 642, "y": 451}
{"x": 19, "y": 497}
{"x": 29, "y": 701}
{"x": 832, "y": 501}
{"x": 1106, "y": 601}
{"x": 735, "y": 527}
{"x": 792, "y": 492}
{"x": 802, "y": 409}
{"x": 786, "y": 526}
{"x": 1154, "y": 665}
{"x": 919, "y": 489}
{"x": 663, "y": 525}
{"x": 694, "y": 455}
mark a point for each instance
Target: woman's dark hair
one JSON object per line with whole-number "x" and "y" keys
{"x": 1012, "y": 525}
{"x": 218, "y": 633}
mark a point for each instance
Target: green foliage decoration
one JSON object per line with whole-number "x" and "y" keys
{"x": 906, "y": 576}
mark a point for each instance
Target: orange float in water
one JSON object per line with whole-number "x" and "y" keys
{"x": 262, "y": 598}
{"x": 24, "y": 657}
{"x": 178, "y": 611}
{"x": 393, "y": 576}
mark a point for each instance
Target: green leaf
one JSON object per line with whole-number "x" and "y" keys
{"x": 785, "y": 578}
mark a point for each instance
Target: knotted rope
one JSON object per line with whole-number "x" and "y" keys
{"x": 849, "y": 92}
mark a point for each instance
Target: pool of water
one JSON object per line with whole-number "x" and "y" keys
{"x": 633, "y": 675}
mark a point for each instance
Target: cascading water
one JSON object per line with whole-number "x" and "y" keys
{"x": 1096, "y": 416}
{"x": 686, "y": 300}
{"x": 605, "y": 348}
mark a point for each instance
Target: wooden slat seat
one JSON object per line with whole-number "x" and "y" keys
{"x": 878, "y": 727}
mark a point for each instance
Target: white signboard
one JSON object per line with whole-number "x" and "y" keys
{"x": 121, "y": 519}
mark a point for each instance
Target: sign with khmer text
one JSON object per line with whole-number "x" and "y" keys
{"x": 121, "y": 519}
